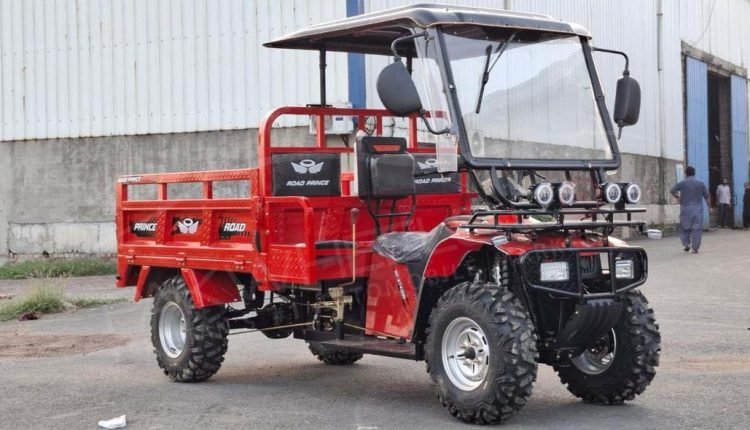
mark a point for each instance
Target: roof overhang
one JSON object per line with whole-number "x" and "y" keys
{"x": 372, "y": 33}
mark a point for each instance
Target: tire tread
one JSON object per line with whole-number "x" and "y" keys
{"x": 512, "y": 325}
{"x": 631, "y": 378}
{"x": 209, "y": 330}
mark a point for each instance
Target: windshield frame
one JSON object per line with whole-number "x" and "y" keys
{"x": 527, "y": 163}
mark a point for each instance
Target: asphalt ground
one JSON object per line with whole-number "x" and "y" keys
{"x": 702, "y": 304}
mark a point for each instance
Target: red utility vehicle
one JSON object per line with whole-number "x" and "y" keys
{"x": 474, "y": 234}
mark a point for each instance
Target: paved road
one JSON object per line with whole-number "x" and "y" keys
{"x": 702, "y": 303}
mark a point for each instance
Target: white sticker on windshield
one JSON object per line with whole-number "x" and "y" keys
{"x": 447, "y": 152}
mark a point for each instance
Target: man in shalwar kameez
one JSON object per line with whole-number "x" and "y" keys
{"x": 691, "y": 192}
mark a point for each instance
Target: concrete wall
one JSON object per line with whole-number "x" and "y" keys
{"x": 58, "y": 194}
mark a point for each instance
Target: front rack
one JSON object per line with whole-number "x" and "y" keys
{"x": 593, "y": 219}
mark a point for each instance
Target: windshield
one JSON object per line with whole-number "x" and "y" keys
{"x": 525, "y": 95}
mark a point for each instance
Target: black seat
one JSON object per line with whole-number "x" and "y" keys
{"x": 410, "y": 247}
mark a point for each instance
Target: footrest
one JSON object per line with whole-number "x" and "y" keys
{"x": 375, "y": 346}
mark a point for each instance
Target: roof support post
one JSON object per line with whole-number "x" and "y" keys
{"x": 322, "y": 62}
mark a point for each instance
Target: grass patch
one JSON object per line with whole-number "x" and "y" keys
{"x": 47, "y": 298}
{"x": 57, "y": 267}
{"x": 91, "y": 302}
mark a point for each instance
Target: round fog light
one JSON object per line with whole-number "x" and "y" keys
{"x": 566, "y": 193}
{"x": 544, "y": 194}
{"x": 633, "y": 193}
{"x": 612, "y": 193}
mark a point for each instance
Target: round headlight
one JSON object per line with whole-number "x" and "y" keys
{"x": 544, "y": 194}
{"x": 566, "y": 193}
{"x": 612, "y": 193}
{"x": 633, "y": 193}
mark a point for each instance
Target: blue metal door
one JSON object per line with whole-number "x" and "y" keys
{"x": 739, "y": 143}
{"x": 696, "y": 86}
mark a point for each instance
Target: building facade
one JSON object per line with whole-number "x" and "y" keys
{"x": 93, "y": 89}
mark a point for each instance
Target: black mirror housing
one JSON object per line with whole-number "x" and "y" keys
{"x": 397, "y": 91}
{"x": 627, "y": 101}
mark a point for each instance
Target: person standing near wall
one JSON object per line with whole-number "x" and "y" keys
{"x": 691, "y": 192}
{"x": 724, "y": 199}
{"x": 746, "y": 206}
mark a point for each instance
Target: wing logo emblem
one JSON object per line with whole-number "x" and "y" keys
{"x": 428, "y": 164}
{"x": 187, "y": 225}
{"x": 307, "y": 166}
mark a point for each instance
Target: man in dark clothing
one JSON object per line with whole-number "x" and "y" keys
{"x": 691, "y": 192}
{"x": 746, "y": 206}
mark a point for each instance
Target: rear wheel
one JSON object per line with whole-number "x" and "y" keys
{"x": 332, "y": 356}
{"x": 189, "y": 343}
{"x": 481, "y": 352}
{"x": 622, "y": 363}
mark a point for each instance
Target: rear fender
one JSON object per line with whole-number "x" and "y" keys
{"x": 211, "y": 288}
{"x": 207, "y": 287}
{"x": 149, "y": 279}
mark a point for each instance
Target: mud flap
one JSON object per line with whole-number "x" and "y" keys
{"x": 589, "y": 322}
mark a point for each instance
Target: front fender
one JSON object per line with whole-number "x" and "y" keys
{"x": 450, "y": 253}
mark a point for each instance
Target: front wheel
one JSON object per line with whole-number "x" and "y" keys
{"x": 622, "y": 363}
{"x": 189, "y": 343}
{"x": 481, "y": 352}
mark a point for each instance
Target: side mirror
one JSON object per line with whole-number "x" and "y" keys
{"x": 397, "y": 91}
{"x": 627, "y": 101}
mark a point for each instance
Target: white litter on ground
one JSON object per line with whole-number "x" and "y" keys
{"x": 114, "y": 423}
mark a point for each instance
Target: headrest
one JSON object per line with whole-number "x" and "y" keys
{"x": 306, "y": 174}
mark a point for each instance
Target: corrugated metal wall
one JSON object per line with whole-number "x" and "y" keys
{"x": 719, "y": 27}
{"x": 76, "y": 68}
{"x": 633, "y": 27}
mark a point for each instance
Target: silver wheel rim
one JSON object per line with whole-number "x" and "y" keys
{"x": 172, "y": 329}
{"x": 466, "y": 354}
{"x": 599, "y": 358}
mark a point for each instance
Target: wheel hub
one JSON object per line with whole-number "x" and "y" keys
{"x": 465, "y": 353}
{"x": 598, "y": 358}
{"x": 172, "y": 329}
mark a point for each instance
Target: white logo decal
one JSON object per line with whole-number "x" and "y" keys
{"x": 128, "y": 179}
{"x": 309, "y": 183}
{"x": 429, "y": 163}
{"x": 307, "y": 166}
{"x": 187, "y": 225}
{"x": 234, "y": 227}
{"x": 144, "y": 226}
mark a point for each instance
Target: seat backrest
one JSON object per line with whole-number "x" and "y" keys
{"x": 385, "y": 170}
{"x": 306, "y": 174}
